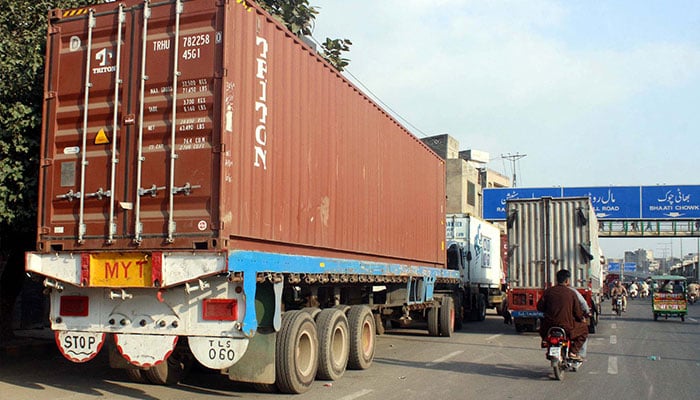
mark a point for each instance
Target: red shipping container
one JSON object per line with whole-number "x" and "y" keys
{"x": 215, "y": 128}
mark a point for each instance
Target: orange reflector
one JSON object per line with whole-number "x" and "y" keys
{"x": 220, "y": 309}
{"x": 74, "y": 306}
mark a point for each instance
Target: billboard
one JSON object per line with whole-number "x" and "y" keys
{"x": 610, "y": 202}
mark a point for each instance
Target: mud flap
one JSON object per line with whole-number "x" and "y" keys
{"x": 145, "y": 350}
{"x": 258, "y": 363}
{"x": 79, "y": 347}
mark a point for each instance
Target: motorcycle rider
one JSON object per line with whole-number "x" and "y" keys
{"x": 634, "y": 290}
{"x": 620, "y": 290}
{"x": 561, "y": 307}
{"x": 645, "y": 289}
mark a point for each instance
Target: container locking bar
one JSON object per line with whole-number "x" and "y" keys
{"x": 115, "y": 127}
{"x": 100, "y": 193}
{"x": 152, "y": 191}
{"x": 138, "y": 234}
{"x": 187, "y": 189}
{"x": 173, "y": 123}
{"x": 86, "y": 102}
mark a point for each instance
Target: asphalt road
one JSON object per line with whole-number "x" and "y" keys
{"x": 630, "y": 357}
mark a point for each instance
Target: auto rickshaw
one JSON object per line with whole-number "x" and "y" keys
{"x": 668, "y": 298}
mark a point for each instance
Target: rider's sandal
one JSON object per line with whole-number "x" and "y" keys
{"x": 575, "y": 357}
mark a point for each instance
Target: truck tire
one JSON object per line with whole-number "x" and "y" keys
{"x": 333, "y": 344}
{"x": 433, "y": 321}
{"x": 169, "y": 372}
{"x": 135, "y": 375}
{"x": 264, "y": 387}
{"x": 499, "y": 309}
{"x": 447, "y": 317}
{"x": 479, "y": 311}
{"x": 459, "y": 312}
{"x": 297, "y": 353}
{"x": 362, "y": 337}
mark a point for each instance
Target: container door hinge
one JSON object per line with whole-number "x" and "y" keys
{"x": 219, "y": 148}
{"x": 51, "y": 94}
{"x": 129, "y": 119}
{"x": 55, "y": 14}
{"x": 47, "y": 162}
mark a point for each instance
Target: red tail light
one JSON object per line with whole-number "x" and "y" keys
{"x": 220, "y": 309}
{"x": 555, "y": 341}
{"x": 74, "y": 306}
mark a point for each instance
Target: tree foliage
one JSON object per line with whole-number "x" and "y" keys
{"x": 299, "y": 17}
{"x": 23, "y": 25}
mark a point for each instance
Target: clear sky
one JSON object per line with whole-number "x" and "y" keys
{"x": 594, "y": 93}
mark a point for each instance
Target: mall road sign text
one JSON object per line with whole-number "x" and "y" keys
{"x": 610, "y": 202}
{"x": 613, "y": 202}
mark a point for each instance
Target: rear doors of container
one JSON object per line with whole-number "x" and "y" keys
{"x": 130, "y": 147}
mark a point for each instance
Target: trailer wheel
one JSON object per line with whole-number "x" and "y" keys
{"x": 502, "y": 306}
{"x": 519, "y": 327}
{"x": 333, "y": 344}
{"x": 264, "y": 387}
{"x": 433, "y": 321}
{"x": 135, "y": 375}
{"x": 479, "y": 311}
{"x": 362, "y": 339}
{"x": 169, "y": 372}
{"x": 297, "y": 353}
{"x": 459, "y": 312}
{"x": 447, "y": 317}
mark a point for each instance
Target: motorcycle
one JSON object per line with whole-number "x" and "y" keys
{"x": 633, "y": 293}
{"x": 557, "y": 345}
{"x": 617, "y": 305}
{"x": 644, "y": 293}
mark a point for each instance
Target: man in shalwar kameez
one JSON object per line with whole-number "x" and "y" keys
{"x": 561, "y": 307}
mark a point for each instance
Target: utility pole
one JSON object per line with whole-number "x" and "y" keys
{"x": 664, "y": 247}
{"x": 513, "y": 158}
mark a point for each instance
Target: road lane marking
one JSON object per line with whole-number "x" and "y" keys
{"x": 445, "y": 358}
{"x": 613, "y": 339}
{"x": 490, "y": 338}
{"x": 692, "y": 319}
{"x": 357, "y": 394}
{"x": 612, "y": 365}
{"x": 613, "y": 326}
